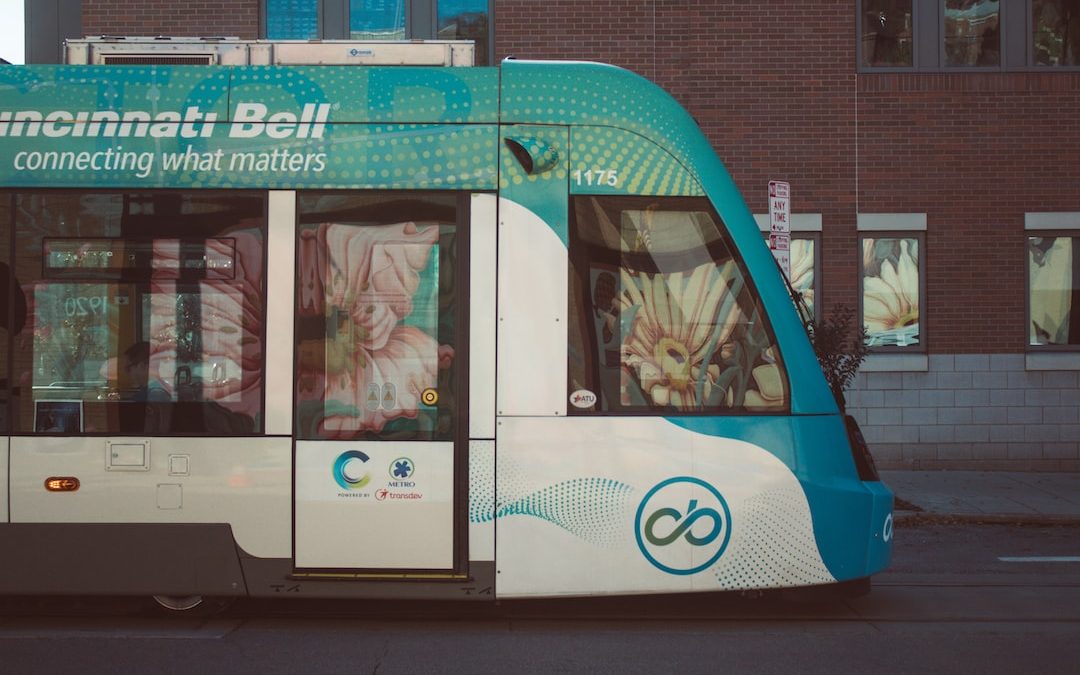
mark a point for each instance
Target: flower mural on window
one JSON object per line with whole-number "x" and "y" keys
{"x": 802, "y": 270}
{"x": 1052, "y": 276}
{"x": 688, "y": 345}
{"x": 662, "y": 317}
{"x": 891, "y": 291}
{"x": 375, "y": 290}
{"x": 678, "y": 324}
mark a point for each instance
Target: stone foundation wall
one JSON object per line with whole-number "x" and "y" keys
{"x": 971, "y": 411}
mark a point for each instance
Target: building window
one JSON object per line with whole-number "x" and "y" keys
{"x": 804, "y": 252}
{"x": 663, "y": 317}
{"x": 891, "y": 284}
{"x": 383, "y": 20}
{"x": 1053, "y": 247}
{"x": 972, "y": 35}
{"x": 466, "y": 20}
{"x": 892, "y": 280}
{"x": 804, "y": 266}
{"x": 936, "y": 35}
{"x": 377, "y": 19}
{"x": 1056, "y": 25}
{"x": 292, "y": 19}
{"x": 886, "y": 34}
{"x": 1053, "y": 289}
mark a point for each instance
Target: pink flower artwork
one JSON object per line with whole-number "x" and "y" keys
{"x": 371, "y": 368}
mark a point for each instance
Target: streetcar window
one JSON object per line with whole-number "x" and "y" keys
{"x": 145, "y": 308}
{"x": 663, "y": 317}
{"x": 377, "y": 319}
{"x": 12, "y": 306}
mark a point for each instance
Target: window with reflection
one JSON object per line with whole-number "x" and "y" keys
{"x": 803, "y": 267}
{"x": 1056, "y": 26}
{"x": 1053, "y": 291}
{"x": 663, "y": 317}
{"x": 378, "y": 316}
{"x": 12, "y": 307}
{"x": 887, "y": 33}
{"x": 891, "y": 286}
{"x": 972, "y": 33}
{"x": 146, "y": 312}
{"x": 292, "y": 19}
{"x": 802, "y": 250}
{"x": 465, "y": 20}
{"x": 377, "y": 19}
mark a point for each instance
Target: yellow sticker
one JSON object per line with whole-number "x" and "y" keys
{"x": 429, "y": 397}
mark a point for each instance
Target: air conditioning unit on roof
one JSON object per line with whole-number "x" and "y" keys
{"x": 231, "y": 51}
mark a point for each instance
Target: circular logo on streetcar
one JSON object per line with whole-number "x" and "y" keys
{"x": 350, "y": 471}
{"x": 429, "y": 396}
{"x": 683, "y": 525}
{"x": 402, "y": 468}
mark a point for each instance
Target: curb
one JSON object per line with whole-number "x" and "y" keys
{"x": 915, "y": 518}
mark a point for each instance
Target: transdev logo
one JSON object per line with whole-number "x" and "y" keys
{"x": 683, "y": 525}
{"x": 350, "y": 471}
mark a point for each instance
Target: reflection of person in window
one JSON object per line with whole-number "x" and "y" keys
{"x": 887, "y": 28}
{"x": 53, "y": 424}
{"x": 137, "y": 369}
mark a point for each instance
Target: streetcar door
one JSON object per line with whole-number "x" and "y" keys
{"x": 380, "y": 381}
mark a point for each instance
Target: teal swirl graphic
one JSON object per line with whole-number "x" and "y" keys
{"x": 589, "y": 508}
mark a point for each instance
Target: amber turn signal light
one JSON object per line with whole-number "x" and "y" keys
{"x": 62, "y": 484}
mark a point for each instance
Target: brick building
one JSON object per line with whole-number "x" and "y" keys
{"x": 933, "y": 148}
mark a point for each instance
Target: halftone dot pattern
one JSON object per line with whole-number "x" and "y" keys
{"x": 391, "y": 156}
{"x": 549, "y": 144}
{"x": 365, "y": 95}
{"x": 593, "y": 509}
{"x": 481, "y": 487}
{"x": 594, "y": 95}
{"x": 772, "y": 545}
{"x": 486, "y": 494}
{"x": 641, "y": 166}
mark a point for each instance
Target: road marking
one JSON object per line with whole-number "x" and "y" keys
{"x": 1042, "y": 558}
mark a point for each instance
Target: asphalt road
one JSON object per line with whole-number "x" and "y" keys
{"x": 957, "y": 599}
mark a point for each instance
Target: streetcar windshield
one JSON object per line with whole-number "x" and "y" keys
{"x": 663, "y": 315}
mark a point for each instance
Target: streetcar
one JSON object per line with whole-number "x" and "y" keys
{"x": 400, "y": 332}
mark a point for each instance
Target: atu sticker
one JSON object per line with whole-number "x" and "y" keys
{"x": 583, "y": 398}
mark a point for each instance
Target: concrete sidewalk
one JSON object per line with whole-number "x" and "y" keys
{"x": 986, "y": 496}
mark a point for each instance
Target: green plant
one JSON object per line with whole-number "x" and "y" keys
{"x": 839, "y": 347}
